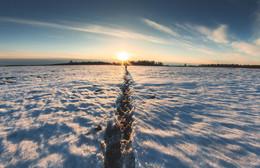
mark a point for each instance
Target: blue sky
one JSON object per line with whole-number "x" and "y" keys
{"x": 175, "y": 31}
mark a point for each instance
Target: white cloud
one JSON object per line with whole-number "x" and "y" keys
{"x": 160, "y": 27}
{"x": 218, "y": 35}
{"x": 90, "y": 28}
{"x": 257, "y": 42}
{"x": 205, "y": 51}
{"x": 248, "y": 48}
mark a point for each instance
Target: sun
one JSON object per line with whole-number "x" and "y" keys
{"x": 123, "y": 56}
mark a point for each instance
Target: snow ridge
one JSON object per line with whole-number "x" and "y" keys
{"x": 118, "y": 137}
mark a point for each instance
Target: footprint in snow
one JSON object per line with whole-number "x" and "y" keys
{"x": 98, "y": 90}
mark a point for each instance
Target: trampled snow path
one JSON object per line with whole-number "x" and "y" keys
{"x": 118, "y": 137}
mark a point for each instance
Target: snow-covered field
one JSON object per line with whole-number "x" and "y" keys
{"x": 48, "y": 114}
{"x": 196, "y": 117}
{"x": 184, "y": 117}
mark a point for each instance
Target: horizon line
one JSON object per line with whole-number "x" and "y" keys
{"x": 97, "y": 60}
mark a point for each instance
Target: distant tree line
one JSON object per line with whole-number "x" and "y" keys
{"x": 229, "y": 66}
{"x": 146, "y": 63}
{"x": 88, "y": 63}
{"x": 150, "y": 63}
{"x": 154, "y": 63}
{"x": 142, "y": 62}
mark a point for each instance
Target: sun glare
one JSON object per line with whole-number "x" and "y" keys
{"x": 123, "y": 56}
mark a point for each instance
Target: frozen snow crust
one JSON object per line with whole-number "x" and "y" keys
{"x": 57, "y": 116}
{"x": 49, "y": 114}
{"x": 196, "y": 117}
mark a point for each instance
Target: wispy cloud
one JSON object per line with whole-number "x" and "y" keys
{"x": 251, "y": 47}
{"x": 184, "y": 41}
{"x": 113, "y": 31}
{"x": 161, "y": 27}
{"x": 248, "y": 48}
{"x": 218, "y": 35}
{"x": 205, "y": 51}
{"x": 90, "y": 28}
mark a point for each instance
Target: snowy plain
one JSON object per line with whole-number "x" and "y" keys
{"x": 184, "y": 117}
{"x": 48, "y": 114}
{"x": 196, "y": 117}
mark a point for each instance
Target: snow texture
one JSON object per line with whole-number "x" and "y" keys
{"x": 196, "y": 117}
{"x": 48, "y": 114}
{"x": 51, "y": 116}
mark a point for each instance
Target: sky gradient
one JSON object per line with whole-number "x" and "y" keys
{"x": 171, "y": 31}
